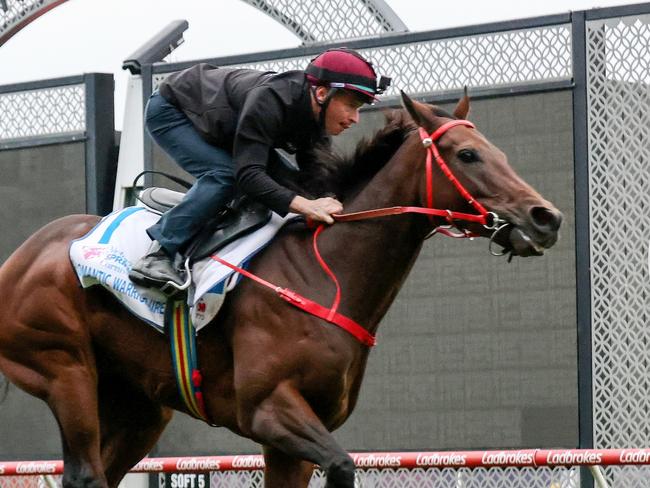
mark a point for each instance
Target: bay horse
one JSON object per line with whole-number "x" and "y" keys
{"x": 271, "y": 372}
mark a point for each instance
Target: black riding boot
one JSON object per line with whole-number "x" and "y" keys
{"x": 155, "y": 269}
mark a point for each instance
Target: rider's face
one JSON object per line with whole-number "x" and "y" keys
{"x": 342, "y": 112}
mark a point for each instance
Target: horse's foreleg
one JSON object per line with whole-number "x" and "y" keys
{"x": 130, "y": 426}
{"x": 285, "y": 421}
{"x": 284, "y": 470}
{"x": 73, "y": 400}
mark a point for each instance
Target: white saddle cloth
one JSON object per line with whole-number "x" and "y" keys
{"x": 105, "y": 255}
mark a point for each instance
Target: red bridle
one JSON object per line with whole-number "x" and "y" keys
{"x": 489, "y": 220}
{"x": 428, "y": 141}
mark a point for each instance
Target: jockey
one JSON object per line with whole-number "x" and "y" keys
{"x": 221, "y": 125}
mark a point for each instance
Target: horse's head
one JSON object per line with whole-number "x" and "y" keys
{"x": 531, "y": 223}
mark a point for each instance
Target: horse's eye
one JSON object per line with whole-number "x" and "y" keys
{"x": 468, "y": 156}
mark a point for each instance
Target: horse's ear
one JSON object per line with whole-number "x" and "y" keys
{"x": 416, "y": 110}
{"x": 462, "y": 108}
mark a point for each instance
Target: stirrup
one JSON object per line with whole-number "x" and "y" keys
{"x": 171, "y": 288}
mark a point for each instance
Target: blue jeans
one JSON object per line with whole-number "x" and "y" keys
{"x": 212, "y": 166}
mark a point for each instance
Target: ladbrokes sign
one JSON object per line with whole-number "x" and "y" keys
{"x": 441, "y": 459}
{"x": 573, "y": 458}
{"x": 248, "y": 462}
{"x": 35, "y": 468}
{"x": 377, "y": 460}
{"x": 508, "y": 458}
{"x": 634, "y": 456}
{"x": 198, "y": 464}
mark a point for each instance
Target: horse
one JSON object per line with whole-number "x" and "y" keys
{"x": 272, "y": 373}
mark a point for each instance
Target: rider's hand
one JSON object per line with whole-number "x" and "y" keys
{"x": 320, "y": 209}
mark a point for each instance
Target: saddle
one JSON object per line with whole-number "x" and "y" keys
{"x": 240, "y": 217}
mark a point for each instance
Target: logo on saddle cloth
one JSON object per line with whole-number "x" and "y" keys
{"x": 111, "y": 257}
{"x": 92, "y": 252}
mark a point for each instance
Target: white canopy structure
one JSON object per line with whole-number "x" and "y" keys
{"x": 311, "y": 20}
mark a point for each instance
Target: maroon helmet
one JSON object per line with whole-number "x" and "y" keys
{"x": 347, "y": 69}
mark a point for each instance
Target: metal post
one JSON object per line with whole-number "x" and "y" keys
{"x": 129, "y": 161}
{"x": 49, "y": 481}
{"x": 147, "y": 90}
{"x": 598, "y": 476}
{"x": 140, "y": 64}
{"x": 101, "y": 161}
{"x": 583, "y": 278}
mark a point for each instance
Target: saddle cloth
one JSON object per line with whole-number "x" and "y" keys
{"x": 105, "y": 255}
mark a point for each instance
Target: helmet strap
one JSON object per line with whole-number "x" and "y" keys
{"x": 323, "y": 105}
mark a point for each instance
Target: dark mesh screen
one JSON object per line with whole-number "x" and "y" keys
{"x": 38, "y": 185}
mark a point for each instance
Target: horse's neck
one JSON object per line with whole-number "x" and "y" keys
{"x": 373, "y": 257}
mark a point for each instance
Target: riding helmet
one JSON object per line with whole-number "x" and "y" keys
{"x": 347, "y": 69}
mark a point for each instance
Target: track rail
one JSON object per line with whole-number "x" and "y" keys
{"x": 531, "y": 458}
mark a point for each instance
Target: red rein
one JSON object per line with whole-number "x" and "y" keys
{"x": 331, "y": 315}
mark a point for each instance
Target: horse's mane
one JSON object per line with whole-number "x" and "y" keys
{"x": 328, "y": 172}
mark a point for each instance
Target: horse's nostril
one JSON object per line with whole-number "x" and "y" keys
{"x": 546, "y": 219}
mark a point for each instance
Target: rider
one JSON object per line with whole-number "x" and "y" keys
{"x": 221, "y": 125}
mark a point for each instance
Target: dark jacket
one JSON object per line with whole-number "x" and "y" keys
{"x": 248, "y": 113}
